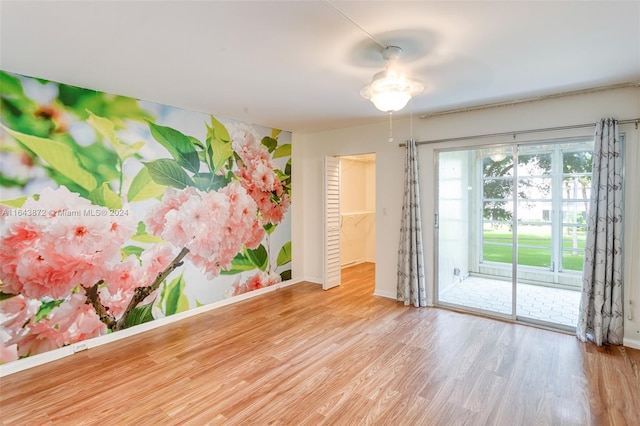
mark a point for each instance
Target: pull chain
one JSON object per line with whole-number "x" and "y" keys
{"x": 390, "y": 127}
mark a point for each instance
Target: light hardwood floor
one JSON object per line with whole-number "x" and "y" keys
{"x": 302, "y": 356}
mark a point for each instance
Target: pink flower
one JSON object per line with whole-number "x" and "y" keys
{"x": 77, "y": 320}
{"x": 19, "y": 238}
{"x": 172, "y": 200}
{"x": 42, "y": 336}
{"x": 8, "y": 353}
{"x": 61, "y": 242}
{"x": 16, "y": 312}
{"x": 255, "y": 282}
{"x": 213, "y": 225}
{"x": 155, "y": 260}
{"x": 121, "y": 281}
{"x": 115, "y": 300}
{"x": 258, "y": 176}
{"x": 72, "y": 321}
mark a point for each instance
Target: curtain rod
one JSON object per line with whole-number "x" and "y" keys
{"x": 521, "y": 132}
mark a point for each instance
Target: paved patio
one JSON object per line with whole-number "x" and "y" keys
{"x": 535, "y": 302}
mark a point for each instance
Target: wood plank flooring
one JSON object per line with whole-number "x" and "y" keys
{"x": 303, "y": 356}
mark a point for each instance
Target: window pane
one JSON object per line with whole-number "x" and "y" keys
{"x": 534, "y": 211}
{"x": 497, "y": 253}
{"x": 497, "y": 210}
{"x": 535, "y": 236}
{"x": 540, "y": 257}
{"x": 572, "y": 260}
{"x": 577, "y": 162}
{"x": 534, "y": 188}
{"x": 497, "y": 243}
{"x": 574, "y": 237}
{"x": 534, "y": 164}
{"x": 575, "y": 212}
{"x": 498, "y": 163}
{"x": 576, "y": 187}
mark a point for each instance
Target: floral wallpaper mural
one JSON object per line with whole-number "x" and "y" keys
{"x": 115, "y": 212}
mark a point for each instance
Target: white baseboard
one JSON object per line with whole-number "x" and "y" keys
{"x": 35, "y": 360}
{"x": 393, "y": 295}
{"x": 631, "y": 343}
{"x": 352, "y": 263}
{"x": 314, "y": 280}
{"x": 387, "y": 294}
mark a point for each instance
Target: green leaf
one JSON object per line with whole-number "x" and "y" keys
{"x": 11, "y": 183}
{"x": 46, "y": 308}
{"x": 270, "y": 143}
{"x": 107, "y": 129}
{"x": 285, "y": 275}
{"x": 218, "y": 182}
{"x": 16, "y": 203}
{"x": 275, "y": 133}
{"x": 281, "y": 176}
{"x": 284, "y": 256}
{"x": 283, "y": 151}
{"x": 258, "y": 257}
{"x": 196, "y": 142}
{"x": 143, "y": 187}
{"x": 219, "y": 152}
{"x": 240, "y": 263}
{"x": 141, "y": 229}
{"x": 219, "y": 131}
{"x": 140, "y": 315}
{"x": 202, "y": 183}
{"x": 60, "y": 157}
{"x": 175, "y": 300}
{"x": 104, "y": 196}
{"x": 269, "y": 227}
{"x": 287, "y": 168}
{"x": 10, "y": 85}
{"x": 147, "y": 238}
{"x": 168, "y": 172}
{"x": 143, "y": 237}
{"x": 129, "y": 250}
{"x": 179, "y": 146}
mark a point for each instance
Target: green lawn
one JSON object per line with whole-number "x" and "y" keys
{"x": 531, "y": 256}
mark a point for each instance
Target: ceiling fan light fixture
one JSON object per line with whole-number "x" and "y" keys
{"x": 390, "y": 90}
{"x": 390, "y": 101}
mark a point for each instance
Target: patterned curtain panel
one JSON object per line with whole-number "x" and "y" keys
{"x": 601, "y": 317}
{"x": 411, "y": 282}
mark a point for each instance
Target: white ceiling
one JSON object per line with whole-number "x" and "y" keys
{"x": 299, "y": 65}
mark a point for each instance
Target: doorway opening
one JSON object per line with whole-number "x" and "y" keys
{"x": 357, "y": 209}
{"x": 349, "y": 216}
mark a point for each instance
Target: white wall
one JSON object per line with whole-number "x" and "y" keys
{"x": 579, "y": 109}
{"x": 370, "y": 244}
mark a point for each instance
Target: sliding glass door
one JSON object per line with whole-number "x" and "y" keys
{"x": 554, "y": 186}
{"x": 511, "y": 229}
{"x": 472, "y": 186}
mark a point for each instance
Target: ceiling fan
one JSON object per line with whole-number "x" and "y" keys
{"x": 391, "y": 89}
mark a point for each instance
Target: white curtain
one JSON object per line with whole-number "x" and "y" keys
{"x": 601, "y": 317}
{"x": 411, "y": 281}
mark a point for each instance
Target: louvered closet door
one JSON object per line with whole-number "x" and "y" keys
{"x": 331, "y": 223}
